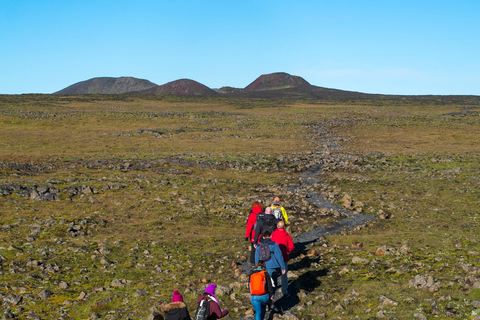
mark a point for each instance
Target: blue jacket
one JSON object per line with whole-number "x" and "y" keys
{"x": 277, "y": 258}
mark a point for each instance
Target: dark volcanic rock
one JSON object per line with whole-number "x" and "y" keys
{"x": 182, "y": 87}
{"x": 276, "y": 80}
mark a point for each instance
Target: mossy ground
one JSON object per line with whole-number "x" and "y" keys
{"x": 169, "y": 225}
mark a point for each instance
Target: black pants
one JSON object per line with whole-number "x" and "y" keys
{"x": 252, "y": 254}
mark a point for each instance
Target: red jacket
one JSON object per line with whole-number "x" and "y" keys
{"x": 284, "y": 241}
{"x": 252, "y": 218}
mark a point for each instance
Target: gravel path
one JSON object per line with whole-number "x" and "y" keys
{"x": 353, "y": 219}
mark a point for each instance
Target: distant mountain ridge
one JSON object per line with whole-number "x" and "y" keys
{"x": 108, "y": 85}
{"x": 278, "y": 85}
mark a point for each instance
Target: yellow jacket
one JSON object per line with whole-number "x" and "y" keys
{"x": 284, "y": 213}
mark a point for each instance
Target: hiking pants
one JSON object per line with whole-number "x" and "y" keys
{"x": 273, "y": 273}
{"x": 260, "y": 305}
{"x": 285, "y": 280}
{"x": 252, "y": 254}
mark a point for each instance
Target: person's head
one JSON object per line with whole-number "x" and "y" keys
{"x": 266, "y": 234}
{"x": 276, "y": 200}
{"x": 158, "y": 316}
{"x": 268, "y": 210}
{"x": 260, "y": 264}
{"x": 257, "y": 203}
{"x": 211, "y": 289}
{"x": 280, "y": 224}
{"x": 177, "y": 297}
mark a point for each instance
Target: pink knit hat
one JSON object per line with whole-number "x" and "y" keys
{"x": 177, "y": 297}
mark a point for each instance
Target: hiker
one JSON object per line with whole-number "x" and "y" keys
{"x": 278, "y": 211}
{"x": 270, "y": 252}
{"x": 257, "y": 208}
{"x": 260, "y": 289}
{"x": 177, "y": 309}
{"x": 265, "y": 222}
{"x": 214, "y": 310}
{"x": 285, "y": 243}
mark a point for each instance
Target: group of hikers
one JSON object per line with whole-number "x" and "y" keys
{"x": 271, "y": 245}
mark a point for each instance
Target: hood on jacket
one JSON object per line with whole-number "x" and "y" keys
{"x": 174, "y": 305}
{"x": 257, "y": 209}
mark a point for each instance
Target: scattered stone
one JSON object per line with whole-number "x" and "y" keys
{"x": 358, "y": 260}
{"x": 357, "y": 244}
{"x": 14, "y": 247}
{"x": 339, "y": 307}
{"x": 476, "y": 303}
{"x": 420, "y": 316}
{"x": 223, "y": 290}
{"x": 104, "y": 260}
{"x": 81, "y": 296}
{"x": 424, "y": 282}
{"x": 7, "y": 314}
{"x": 387, "y": 301}
{"x": 13, "y": 299}
{"x": 94, "y": 316}
{"x": 140, "y": 293}
{"x": 45, "y": 294}
{"x": 116, "y": 283}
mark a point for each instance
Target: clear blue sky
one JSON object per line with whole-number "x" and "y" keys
{"x": 391, "y": 47}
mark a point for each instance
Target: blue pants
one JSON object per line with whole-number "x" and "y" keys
{"x": 260, "y": 305}
{"x": 285, "y": 280}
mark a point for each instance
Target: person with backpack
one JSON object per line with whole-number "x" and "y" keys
{"x": 265, "y": 222}
{"x": 270, "y": 252}
{"x": 260, "y": 289}
{"x": 208, "y": 306}
{"x": 257, "y": 208}
{"x": 177, "y": 309}
{"x": 285, "y": 243}
{"x": 278, "y": 211}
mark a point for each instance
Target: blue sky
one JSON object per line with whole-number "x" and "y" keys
{"x": 390, "y": 47}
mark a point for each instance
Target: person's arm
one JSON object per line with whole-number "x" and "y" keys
{"x": 257, "y": 256}
{"x": 279, "y": 256}
{"x": 215, "y": 309}
{"x": 290, "y": 245}
{"x": 250, "y": 224}
{"x": 257, "y": 230}
{"x": 285, "y": 216}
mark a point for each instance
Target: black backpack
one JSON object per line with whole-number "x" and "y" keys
{"x": 264, "y": 251}
{"x": 269, "y": 223}
{"x": 203, "y": 309}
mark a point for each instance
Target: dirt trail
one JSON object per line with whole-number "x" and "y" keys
{"x": 353, "y": 219}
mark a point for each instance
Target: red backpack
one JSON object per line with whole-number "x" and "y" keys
{"x": 257, "y": 283}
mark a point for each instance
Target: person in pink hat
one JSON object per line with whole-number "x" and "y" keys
{"x": 177, "y": 309}
{"x": 209, "y": 296}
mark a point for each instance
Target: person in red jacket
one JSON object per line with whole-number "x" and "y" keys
{"x": 257, "y": 208}
{"x": 284, "y": 241}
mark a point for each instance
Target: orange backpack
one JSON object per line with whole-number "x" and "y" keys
{"x": 257, "y": 283}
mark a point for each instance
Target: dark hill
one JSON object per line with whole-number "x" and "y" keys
{"x": 108, "y": 85}
{"x": 181, "y": 87}
{"x": 278, "y": 80}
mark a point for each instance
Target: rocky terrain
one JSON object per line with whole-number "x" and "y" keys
{"x": 108, "y": 232}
